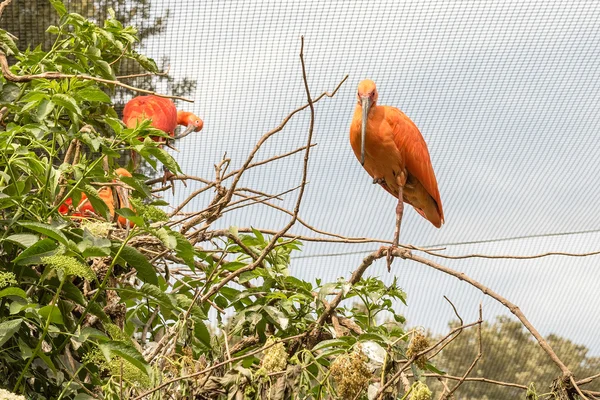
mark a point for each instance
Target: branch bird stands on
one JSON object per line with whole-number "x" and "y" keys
{"x": 392, "y": 150}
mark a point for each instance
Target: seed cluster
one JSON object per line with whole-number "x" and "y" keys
{"x": 275, "y": 357}
{"x": 418, "y": 343}
{"x": 97, "y": 228}
{"x": 421, "y": 392}
{"x": 69, "y": 266}
{"x": 7, "y": 279}
{"x": 350, "y": 373}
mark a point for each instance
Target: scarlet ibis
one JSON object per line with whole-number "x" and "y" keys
{"x": 392, "y": 150}
{"x": 85, "y": 209}
{"x": 164, "y": 116}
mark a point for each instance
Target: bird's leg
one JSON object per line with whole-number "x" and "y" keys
{"x": 168, "y": 176}
{"x": 401, "y": 179}
{"x": 381, "y": 181}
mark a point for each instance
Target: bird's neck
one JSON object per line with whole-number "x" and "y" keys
{"x": 183, "y": 118}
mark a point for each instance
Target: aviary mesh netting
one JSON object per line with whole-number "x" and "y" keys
{"x": 505, "y": 93}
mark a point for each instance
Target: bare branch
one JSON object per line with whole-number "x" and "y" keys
{"x": 3, "y": 5}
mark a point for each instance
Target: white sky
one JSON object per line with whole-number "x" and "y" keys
{"x": 504, "y": 92}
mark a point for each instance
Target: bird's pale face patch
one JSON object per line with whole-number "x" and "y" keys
{"x": 367, "y": 89}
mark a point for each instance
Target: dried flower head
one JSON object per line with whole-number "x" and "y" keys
{"x": 116, "y": 333}
{"x": 421, "y": 391}
{"x": 94, "y": 356}
{"x": 275, "y": 357}
{"x": 418, "y": 343}
{"x": 69, "y": 266}
{"x": 97, "y": 228}
{"x": 6, "y": 395}
{"x": 350, "y": 373}
{"x": 7, "y": 279}
{"x": 130, "y": 372}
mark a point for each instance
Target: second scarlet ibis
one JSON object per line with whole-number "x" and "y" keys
{"x": 164, "y": 116}
{"x": 85, "y": 209}
{"x": 392, "y": 150}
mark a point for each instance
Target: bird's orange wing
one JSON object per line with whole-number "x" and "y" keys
{"x": 160, "y": 110}
{"x": 417, "y": 161}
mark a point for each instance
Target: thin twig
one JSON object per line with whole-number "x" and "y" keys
{"x": 477, "y": 358}
{"x": 477, "y": 379}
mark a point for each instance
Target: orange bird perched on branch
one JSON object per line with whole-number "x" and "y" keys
{"x": 164, "y": 116}
{"x": 85, "y": 209}
{"x": 392, "y": 150}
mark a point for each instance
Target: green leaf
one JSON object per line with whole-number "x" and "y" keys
{"x": 8, "y": 44}
{"x": 35, "y": 96}
{"x": 163, "y": 157}
{"x": 127, "y": 351}
{"x": 137, "y": 185}
{"x": 202, "y": 333}
{"x": 432, "y": 368}
{"x": 67, "y": 102}
{"x": 104, "y": 69}
{"x": 25, "y": 350}
{"x": 59, "y": 7}
{"x": 98, "y": 204}
{"x": 9, "y": 93}
{"x": 163, "y": 299}
{"x": 185, "y": 250}
{"x": 93, "y": 94}
{"x": 44, "y": 109}
{"x": 53, "y": 313}
{"x": 45, "y": 229}
{"x": 8, "y": 329}
{"x": 13, "y": 291}
{"x": 23, "y": 239}
{"x": 52, "y": 29}
{"x": 331, "y": 343}
{"x": 166, "y": 238}
{"x": 131, "y": 216}
{"x": 34, "y": 254}
{"x": 147, "y": 63}
{"x": 278, "y": 317}
{"x": 135, "y": 259}
{"x": 72, "y": 292}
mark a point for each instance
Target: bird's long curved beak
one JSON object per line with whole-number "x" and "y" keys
{"x": 366, "y": 105}
{"x": 186, "y": 132}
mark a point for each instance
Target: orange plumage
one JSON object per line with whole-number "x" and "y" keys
{"x": 85, "y": 209}
{"x": 162, "y": 112}
{"x": 395, "y": 154}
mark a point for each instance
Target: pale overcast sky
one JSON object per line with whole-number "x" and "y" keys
{"x": 504, "y": 92}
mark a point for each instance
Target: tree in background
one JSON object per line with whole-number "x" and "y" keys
{"x": 511, "y": 355}
{"x": 29, "y": 20}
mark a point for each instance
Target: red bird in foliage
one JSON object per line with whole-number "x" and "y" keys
{"x": 163, "y": 113}
{"x": 164, "y": 116}
{"x": 392, "y": 150}
{"x": 85, "y": 209}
